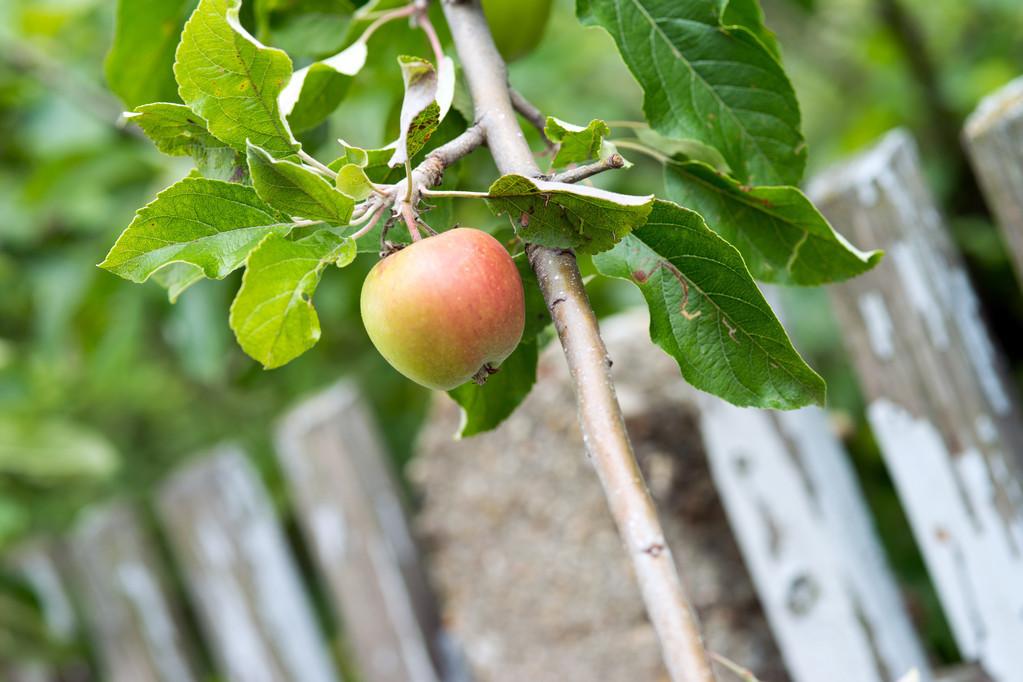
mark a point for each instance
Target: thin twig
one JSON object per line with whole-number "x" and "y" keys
{"x": 743, "y": 674}
{"x": 531, "y": 113}
{"x": 600, "y": 415}
{"x": 589, "y": 170}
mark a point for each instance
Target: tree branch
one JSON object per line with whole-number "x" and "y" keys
{"x": 600, "y": 416}
{"x": 589, "y": 170}
{"x": 531, "y": 113}
{"x": 430, "y": 171}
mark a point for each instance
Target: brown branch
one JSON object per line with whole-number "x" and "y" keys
{"x": 531, "y": 113}
{"x": 589, "y": 170}
{"x": 600, "y": 416}
{"x": 430, "y": 171}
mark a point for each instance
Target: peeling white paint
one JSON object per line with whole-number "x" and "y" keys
{"x": 920, "y": 293}
{"x": 878, "y": 323}
{"x": 979, "y": 349}
{"x": 817, "y": 565}
{"x": 154, "y": 613}
{"x": 39, "y": 570}
{"x": 966, "y": 548}
{"x": 249, "y": 590}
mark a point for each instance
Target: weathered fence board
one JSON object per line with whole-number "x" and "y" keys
{"x": 132, "y": 619}
{"x": 39, "y": 563}
{"x": 240, "y": 573}
{"x": 809, "y": 543}
{"x": 942, "y": 411}
{"x": 350, "y": 509}
{"x": 994, "y": 139}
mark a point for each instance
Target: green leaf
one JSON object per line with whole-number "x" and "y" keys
{"x": 781, "y": 235}
{"x": 576, "y": 144}
{"x": 363, "y": 158}
{"x": 139, "y": 65}
{"x": 707, "y": 312}
{"x": 176, "y": 130}
{"x": 297, "y": 191}
{"x": 428, "y": 97}
{"x": 304, "y": 28}
{"x": 209, "y": 224}
{"x": 314, "y": 92}
{"x": 176, "y": 278}
{"x": 706, "y": 82}
{"x": 230, "y": 79}
{"x": 748, "y": 15}
{"x": 273, "y": 316}
{"x": 559, "y": 215}
{"x": 485, "y": 407}
{"x": 352, "y": 181}
{"x": 51, "y": 451}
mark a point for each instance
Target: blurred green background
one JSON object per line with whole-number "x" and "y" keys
{"x": 104, "y": 384}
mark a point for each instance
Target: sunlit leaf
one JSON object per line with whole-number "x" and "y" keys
{"x": 273, "y": 316}
{"x": 296, "y": 190}
{"x": 209, "y": 224}
{"x": 176, "y": 130}
{"x": 233, "y": 81}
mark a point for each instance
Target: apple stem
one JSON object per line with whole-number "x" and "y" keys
{"x": 600, "y": 415}
{"x": 408, "y": 214}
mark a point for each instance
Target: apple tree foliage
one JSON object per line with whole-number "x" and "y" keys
{"x": 236, "y": 92}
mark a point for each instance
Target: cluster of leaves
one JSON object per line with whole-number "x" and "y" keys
{"x": 717, "y": 98}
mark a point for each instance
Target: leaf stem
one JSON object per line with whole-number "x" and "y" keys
{"x": 453, "y": 194}
{"x": 320, "y": 168}
{"x": 635, "y": 125}
{"x": 368, "y": 227}
{"x": 431, "y": 35}
{"x": 386, "y": 17}
{"x": 600, "y": 415}
{"x": 642, "y": 149}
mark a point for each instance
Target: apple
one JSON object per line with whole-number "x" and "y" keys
{"x": 445, "y": 309}
{"x": 517, "y": 25}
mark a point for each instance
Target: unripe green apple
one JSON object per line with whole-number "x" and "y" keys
{"x": 446, "y": 308}
{"x": 517, "y": 25}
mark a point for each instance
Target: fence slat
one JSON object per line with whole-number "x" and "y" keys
{"x": 133, "y": 622}
{"x": 350, "y": 510}
{"x": 994, "y": 140}
{"x": 39, "y": 563}
{"x": 806, "y": 535}
{"x": 240, "y": 573}
{"x": 942, "y": 411}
